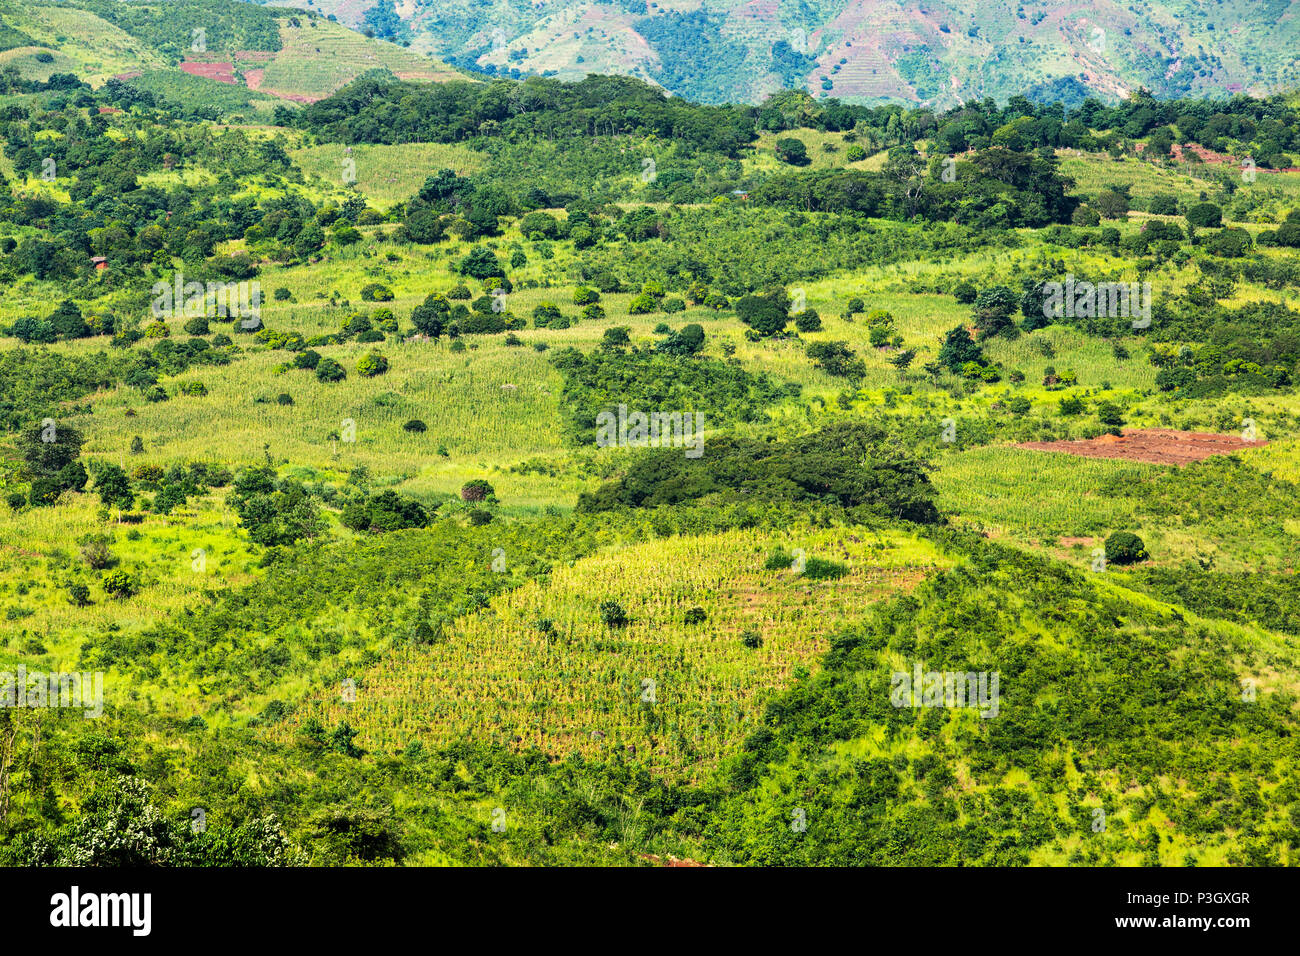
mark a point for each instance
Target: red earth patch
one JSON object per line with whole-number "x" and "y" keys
{"x": 1156, "y": 446}
{"x": 221, "y": 72}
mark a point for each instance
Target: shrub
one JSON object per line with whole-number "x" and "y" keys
{"x": 1206, "y": 215}
{"x": 1124, "y": 547}
{"x": 415, "y": 426}
{"x": 751, "y": 639}
{"x": 642, "y": 304}
{"x": 1108, "y": 413}
{"x": 792, "y": 151}
{"x": 328, "y": 370}
{"x": 477, "y": 490}
{"x": 820, "y": 569}
{"x": 376, "y": 292}
{"x": 808, "y": 321}
{"x": 371, "y": 365}
{"x": 612, "y": 614}
{"x": 119, "y": 584}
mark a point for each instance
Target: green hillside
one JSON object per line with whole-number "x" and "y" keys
{"x": 440, "y": 470}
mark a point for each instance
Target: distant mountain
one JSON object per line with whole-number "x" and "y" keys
{"x": 938, "y": 52}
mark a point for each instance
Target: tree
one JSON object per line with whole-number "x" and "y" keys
{"x": 112, "y": 484}
{"x": 67, "y": 321}
{"x": 1112, "y": 204}
{"x": 792, "y": 151}
{"x": 477, "y": 490}
{"x": 1124, "y": 547}
{"x": 959, "y": 348}
{"x": 372, "y": 364}
{"x": 49, "y": 453}
{"x": 992, "y": 311}
{"x": 762, "y": 313}
{"x": 430, "y": 317}
{"x": 903, "y": 359}
{"x": 836, "y": 358}
{"x": 689, "y": 341}
{"x": 1205, "y": 215}
{"x": 480, "y": 264}
{"x": 328, "y": 370}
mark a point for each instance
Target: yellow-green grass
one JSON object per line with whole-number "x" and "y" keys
{"x": 681, "y": 694}
{"x": 40, "y": 554}
{"x": 386, "y": 174}
{"x": 98, "y": 49}
{"x": 1094, "y": 172}
{"x": 762, "y": 157}
{"x": 24, "y": 60}
{"x": 1061, "y": 503}
{"x": 318, "y": 57}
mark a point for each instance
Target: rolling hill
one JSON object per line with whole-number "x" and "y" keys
{"x": 282, "y": 54}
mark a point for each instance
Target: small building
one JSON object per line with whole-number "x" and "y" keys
{"x": 99, "y": 262}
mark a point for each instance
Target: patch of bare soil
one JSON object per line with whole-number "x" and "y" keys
{"x": 1156, "y": 446}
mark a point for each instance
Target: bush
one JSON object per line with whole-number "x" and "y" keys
{"x": 119, "y": 584}
{"x": 751, "y": 639}
{"x": 808, "y": 321}
{"x": 371, "y": 365}
{"x": 642, "y": 304}
{"x": 376, "y": 292}
{"x": 1124, "y": 547}
{"x": 819, "y": 569}
{"x": 415, "y": 426}
{"x": 328, "y": 370}
{"x": 792, "y": 151}
{"x": 477, "y": 490}
{"x": 1205, "y": 215}
{"x": 612, "y": 614}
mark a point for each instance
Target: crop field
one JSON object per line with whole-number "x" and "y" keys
{"x": 538, "y": 668}
{"x": 317, "y": 57}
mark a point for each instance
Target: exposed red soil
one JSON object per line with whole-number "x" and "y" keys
{"x": 1157, "y": 446}
{"x": 1210, "y": 157}
{"x": 253, "y": 79}
{"x": 221, "y": 72}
